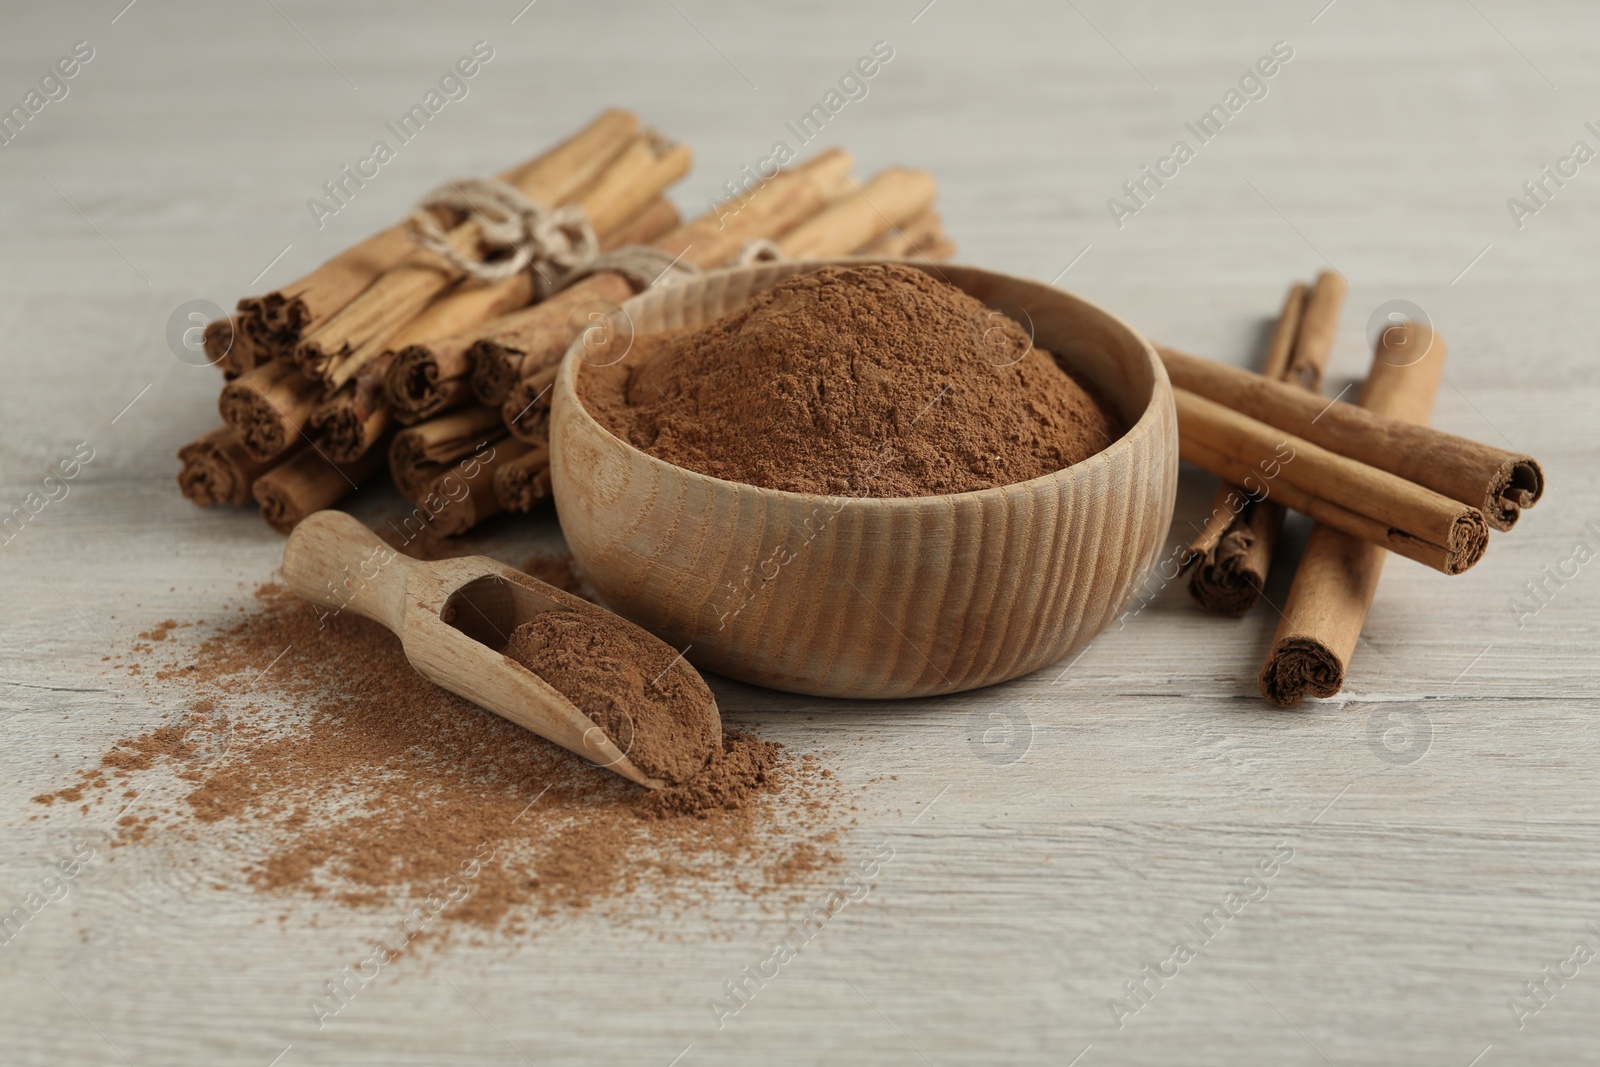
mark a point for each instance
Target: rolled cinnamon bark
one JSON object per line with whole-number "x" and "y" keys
{"x": 1338, "y": 574}
{"x": 541, "y": 333}
{"x": 279, "y": 320}
{"x": 922, "y": 237}
{"x": 404, "y": 290}
{"x": 309, "y": 482}
{"x": 217, "y": 340}
{"x": 1371, "y": 491}
{"x": 896, "y": 193}
{"x": 645, "y": 169}
{"x": 468, "y": 487}
{"x": 1256, "y": 487}
{"x": 430, "y": 376}
{"x": 656, "y": 219}
{"x": 526, "y": 413}
{"x": 269, "y": 407}
{"x": 709, "y": 240}
{"x": 461, "y": 308}
{"x": 783, "y": 201}
{"x": 218, "y": 470}
{"x": 524, "y": 482}
{"x": 1222, "y": 516}
{"x": 353, "y": 418}
{"x": 1233, "y": 554}
{"x": 417, "y": 454}
{"x": 229, "y": 349}
{"x": 1497, "y": 482}
{"x": 1318, "y": 327}
{"x": 557, "y": 177}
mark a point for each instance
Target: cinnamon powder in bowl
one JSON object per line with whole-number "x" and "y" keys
{"x": 865, "y": 480}
{"x": 801, "y": 388}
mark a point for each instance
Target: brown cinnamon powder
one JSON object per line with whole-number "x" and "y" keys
{"x": 876, "y": 380}
{"x": 647, "y": 699}
{"x": 320, "y": 765}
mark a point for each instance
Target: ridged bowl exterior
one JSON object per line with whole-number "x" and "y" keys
{"x": 875, "y": 597}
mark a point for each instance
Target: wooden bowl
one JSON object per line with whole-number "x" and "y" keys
{"x": 874, "y": 597}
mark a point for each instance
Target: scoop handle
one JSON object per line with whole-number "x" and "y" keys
{"x": 332, "y": 559}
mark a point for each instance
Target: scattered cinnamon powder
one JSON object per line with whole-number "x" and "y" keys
{"x": 328, "y": 769}
{"x": 743, "y": 767}
{"x": 647, "y": 699}
{"x": 875, "y": 380}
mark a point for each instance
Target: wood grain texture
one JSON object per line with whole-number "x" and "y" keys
{"x": 1053, "y": 834}
{"x": 870, "y": 597}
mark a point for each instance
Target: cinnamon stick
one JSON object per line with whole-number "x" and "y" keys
{"x": 418, "y": 453}
{"x": 1257, "y": 486}
{"x": 893, "y": 194}
{"x": 217, "y": 339}
{"x": 526, "y": 412}
{"x": 218, "y": 470}
{"x": 645, "y": 169}
{"x": 309, "y": 482}
{"x": 1370, "y": 491}
{"x": 922, "y": 237}
{"x": 462, "y": 308}
{"x": 229, "y": 349}
{"x": 354, "y": 417}
{"x": 269, "y": 407}
{"x": 562, "y": 173}
{"x": 401, "y": 292}
{"x": 429, "y": 376}
{"x": 656, "y": 219}
{"x": 541, "y": 333}
{"x": 468, "y": 487}
{"x": 1318, "y": 328}
{"x": 1496, "y": 482}
{"x": 279, "y": 320}
{"x": 521, "y": 484}
{"x": 783, "y": 201}
{"x": 708, "y": 240}
{"x": 1338, "y": 574}
{"x": 1233, "y": 553}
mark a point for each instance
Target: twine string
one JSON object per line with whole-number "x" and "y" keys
{"x": 557, "y": 246}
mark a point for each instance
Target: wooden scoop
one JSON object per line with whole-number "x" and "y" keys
{"x": 453, "y": 617}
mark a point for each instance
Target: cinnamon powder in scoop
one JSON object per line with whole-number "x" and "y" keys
{"x": 871, "y": 380}
{"x": 649, "y": 701}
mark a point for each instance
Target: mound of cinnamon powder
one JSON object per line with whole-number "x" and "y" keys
{"x": 646, "y": 698}
{"x": 872, "y": 380}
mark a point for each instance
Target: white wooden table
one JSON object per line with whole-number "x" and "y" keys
{"x": 1433, "y": 872}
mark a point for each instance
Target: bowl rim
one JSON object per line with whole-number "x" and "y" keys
{"x": 1144, "y": 425}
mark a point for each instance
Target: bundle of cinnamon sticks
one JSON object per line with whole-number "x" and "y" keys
{"x": 394, "y": 355}
{"x": 1372, "y": 476}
